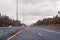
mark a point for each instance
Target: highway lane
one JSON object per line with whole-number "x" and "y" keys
{"x": 31, "y": 33}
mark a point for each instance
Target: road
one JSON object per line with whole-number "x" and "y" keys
{"x": 31, "y": 33}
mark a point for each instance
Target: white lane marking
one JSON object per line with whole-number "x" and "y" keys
{"x": 39, "y": 34}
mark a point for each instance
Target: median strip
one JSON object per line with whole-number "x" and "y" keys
{"x": 15, "y": 35}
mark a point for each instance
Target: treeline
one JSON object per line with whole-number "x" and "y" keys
{"x": 49, "y": 21}
{"x": 5, "y": 21}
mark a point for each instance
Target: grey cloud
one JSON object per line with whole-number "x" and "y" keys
{"x": 36, "y": 1}
{"x": 35, "y": 8}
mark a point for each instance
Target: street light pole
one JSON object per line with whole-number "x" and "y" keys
{"x": 23, "y": 16}
{"x": 17, "y": 12}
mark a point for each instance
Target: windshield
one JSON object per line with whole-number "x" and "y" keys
{"x": 29, "y": 19}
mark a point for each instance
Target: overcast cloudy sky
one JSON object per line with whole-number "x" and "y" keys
{"x": 33, "y": 9}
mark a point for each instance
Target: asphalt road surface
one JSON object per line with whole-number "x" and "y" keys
{"x": 31, "y": 33}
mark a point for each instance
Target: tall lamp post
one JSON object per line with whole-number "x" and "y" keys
{"x": 23, "y": 16}
{"x": 17, "y": 12}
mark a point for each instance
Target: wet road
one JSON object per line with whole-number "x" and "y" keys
{"x": 31, "y": 33}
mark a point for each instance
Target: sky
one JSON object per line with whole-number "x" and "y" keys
{"x": 32, "y": 10}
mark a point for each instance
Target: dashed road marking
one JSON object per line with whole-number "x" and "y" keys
{"x": 39, "y": 34}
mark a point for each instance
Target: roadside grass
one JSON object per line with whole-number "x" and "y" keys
{"x": 53, "y": 25}
{"x": 50, "y": 27}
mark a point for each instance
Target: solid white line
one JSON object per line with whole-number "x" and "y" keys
{"x": 15, "y": 35}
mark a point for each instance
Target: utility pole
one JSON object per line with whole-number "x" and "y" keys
{"x": 17, "y": 12}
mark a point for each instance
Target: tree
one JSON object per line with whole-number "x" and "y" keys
{"x": 47, "y": 21}
{"x": 5, "y": 21}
